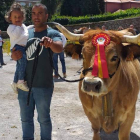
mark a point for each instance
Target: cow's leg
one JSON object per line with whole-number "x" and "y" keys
{"x": 95, "y": 125}
{"x": 96, "y": 134}
{"x": 125, "y": 127}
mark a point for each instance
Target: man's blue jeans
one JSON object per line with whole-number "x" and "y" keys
{"x": 1, "y": 56}
{"x": 41, "y": 98}
{"x": 55, "y": 62}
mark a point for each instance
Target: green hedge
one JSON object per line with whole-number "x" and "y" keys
{"x": 67, "y": 20}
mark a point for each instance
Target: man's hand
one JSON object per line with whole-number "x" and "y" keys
{"x": 46, "y": 42}
{"x": 16, "y": 54}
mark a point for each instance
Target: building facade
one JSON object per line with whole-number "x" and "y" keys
{"x": 114, "y": 5}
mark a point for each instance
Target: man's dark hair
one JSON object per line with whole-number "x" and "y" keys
{"x": 42, "y": 5}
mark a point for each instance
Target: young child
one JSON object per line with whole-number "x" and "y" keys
{"x": 18, "y": 33}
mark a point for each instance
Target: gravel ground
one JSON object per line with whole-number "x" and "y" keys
{"x": 68, "y": 119}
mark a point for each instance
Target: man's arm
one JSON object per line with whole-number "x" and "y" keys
{"x": 1, "y": 39}
{"x": 55, "y": 46}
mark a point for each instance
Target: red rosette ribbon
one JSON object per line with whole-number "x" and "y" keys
{"x": 100, "y": 65}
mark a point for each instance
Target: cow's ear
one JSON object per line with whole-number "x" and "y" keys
{"x": 130, "y": 52}
{"x": 73, "y": 50}
{"x": 81, "y": 41}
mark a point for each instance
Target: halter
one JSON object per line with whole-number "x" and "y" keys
{"x": 90, "y": 68}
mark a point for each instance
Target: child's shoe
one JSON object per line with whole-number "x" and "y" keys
{"x": 23, "y": 86}
{"x": 14, "y": 87}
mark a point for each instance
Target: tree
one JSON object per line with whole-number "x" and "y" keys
{"x": 101, "y": 4}
{"x": 4, "y": 7}
{"x": 89, "y": 7}
{"x": 51, "y": 6}
{"x": 80, "y": 7}
{"x": 71, "y": 8}
{"x": 28, "y": 20}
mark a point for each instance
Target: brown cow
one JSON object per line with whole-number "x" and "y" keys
{"x": 73, "y": 49}
{"x": 110, "y": 103}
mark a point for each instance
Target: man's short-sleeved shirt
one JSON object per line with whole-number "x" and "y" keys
{"x": 44, "y": 72}
{"x": 0, "y": 41}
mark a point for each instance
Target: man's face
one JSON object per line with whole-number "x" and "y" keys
{"x": 103, "y": 28}
{"x": 39, "y": 17}
{"x": 131, "y": 26}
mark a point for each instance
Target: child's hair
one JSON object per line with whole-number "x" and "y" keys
{"x": 15, "y": 7}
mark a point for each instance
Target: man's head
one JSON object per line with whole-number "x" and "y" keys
{"x": 103, "y": 28}
{"x": 120, "y": 28}
{"x": 39, "y": 15}
{"x": 131, "y": 26}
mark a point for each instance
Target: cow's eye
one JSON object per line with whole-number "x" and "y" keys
{"x": 114, "y": 58}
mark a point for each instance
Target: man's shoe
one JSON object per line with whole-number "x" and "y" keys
{"x": 3, "y": 64}
{"x": 55, "y": 76}
{"x": 64, "y": 75}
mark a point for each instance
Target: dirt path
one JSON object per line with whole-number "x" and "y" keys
{"x": 68, "y": 119}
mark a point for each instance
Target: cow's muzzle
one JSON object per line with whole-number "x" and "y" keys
{"x": 94, "y": 86}
{"x": 91, "y": 86}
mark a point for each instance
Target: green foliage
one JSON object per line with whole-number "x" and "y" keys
{"x": 51, "y": 6}
{"x": 4, "y": 7}
{"x": 101, "y": 5}
{"x": 89, "y": 7}
{"x": 64, "y": 20}
{"x": 71, "y": 8}
{"x": 28, "y": 15}
{"x": 79, "y": 8}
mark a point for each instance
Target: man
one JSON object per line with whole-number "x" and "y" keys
{"x": 132, "y": 27}
{"x": 42, "y": 80}
{"x": 62, "y": 59}
{"x": 1, "y": 52}
{"x": 104, "y": 28}
{"x": 120, "y": 28}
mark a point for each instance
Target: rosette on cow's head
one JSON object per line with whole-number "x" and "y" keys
{"x": 100, "y": 41}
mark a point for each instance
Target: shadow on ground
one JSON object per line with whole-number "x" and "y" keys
{"x": 114, "y": 136}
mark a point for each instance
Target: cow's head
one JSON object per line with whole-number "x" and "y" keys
{"x": 121, "y": 51}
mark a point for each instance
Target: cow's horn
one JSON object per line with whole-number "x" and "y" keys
{"x": 131, "y": 39}
{"x": 68, "y": 34}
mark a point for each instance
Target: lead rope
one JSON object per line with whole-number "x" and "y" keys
{"x": 33, "y": 72}
{"x": 51, "y": 60}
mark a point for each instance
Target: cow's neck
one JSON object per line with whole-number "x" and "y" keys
{"x": 107, "y": 108}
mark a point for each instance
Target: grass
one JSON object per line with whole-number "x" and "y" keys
{"x": 6, "y": 46}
